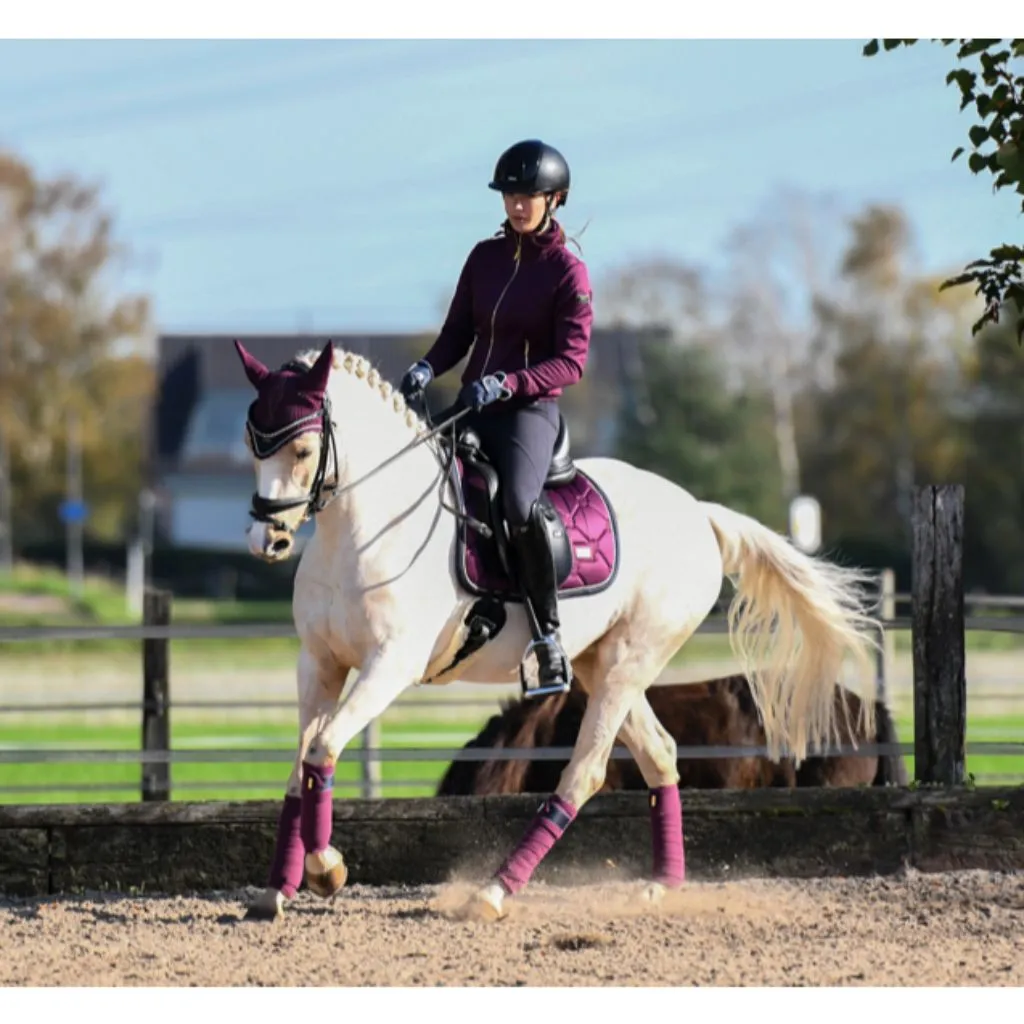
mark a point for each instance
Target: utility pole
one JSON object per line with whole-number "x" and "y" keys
{"x": 6, "y": 502}
{"x": 74, "y": 515}
{"x": 140, "y": 552}
{"x": 6, "y": 509}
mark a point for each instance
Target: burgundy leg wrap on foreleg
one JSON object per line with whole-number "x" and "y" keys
{"x": 317, "y": 791}
{"x": 286, "y": 870}
{"x": 667, "y": 836}
{"x": 552, "y": 819}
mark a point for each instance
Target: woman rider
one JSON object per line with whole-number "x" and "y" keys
{"x": 523, "y": 302}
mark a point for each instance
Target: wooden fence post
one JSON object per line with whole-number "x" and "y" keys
{"x": 940, "y": 682}
{"x": 886, "y": 611}
{"x": 371, "y": 774}
{"x": 156, "y": 725}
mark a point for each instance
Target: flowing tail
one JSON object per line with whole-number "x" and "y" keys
{"x": 793, "y": 620}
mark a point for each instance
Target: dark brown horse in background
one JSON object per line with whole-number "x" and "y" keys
{"x": 718, "y": 712}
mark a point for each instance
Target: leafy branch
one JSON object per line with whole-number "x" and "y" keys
{"x": 997, "y": 146}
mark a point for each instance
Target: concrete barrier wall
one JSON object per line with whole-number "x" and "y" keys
{"x": 189, "y": 847}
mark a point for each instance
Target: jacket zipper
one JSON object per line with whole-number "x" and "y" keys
{"x": 527, "y": 363}
{"x": 494, "y": 313}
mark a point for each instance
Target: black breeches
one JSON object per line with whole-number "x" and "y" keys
{"x": 520, "y": 443}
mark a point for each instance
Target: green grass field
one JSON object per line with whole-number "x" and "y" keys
{"x": 32, "y": 597}
{"x": 91, "y": 782}
{"x": 241, "y": 780}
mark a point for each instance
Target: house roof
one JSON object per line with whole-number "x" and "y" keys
{"x": 203, "y": 394}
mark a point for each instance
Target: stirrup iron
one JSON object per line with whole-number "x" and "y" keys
{"x": 563, "y": 665}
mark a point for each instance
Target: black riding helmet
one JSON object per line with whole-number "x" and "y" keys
{"x": 531, "y": 167}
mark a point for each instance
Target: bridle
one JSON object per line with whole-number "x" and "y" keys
{"x": 264, "y": 444}
{"x": 321, "y": 492}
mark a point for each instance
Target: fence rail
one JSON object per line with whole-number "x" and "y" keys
{"x": 286, "y": 756}
{"x": 37, "y": 789}
{"x": 226, "y": 705}
{"x": 289, "y": 705}
{"x": 281, "y": 630}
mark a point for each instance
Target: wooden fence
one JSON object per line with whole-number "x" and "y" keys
{"x": 937, "y": 624}
{"x": 794, "y": 833}
{"x": 940, "y": 824}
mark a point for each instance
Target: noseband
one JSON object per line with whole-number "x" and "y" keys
{"x": 264, "y": 444}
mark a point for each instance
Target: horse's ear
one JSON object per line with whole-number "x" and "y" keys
{"x": 254, "y": 369}
{"x": 318, "y": 373}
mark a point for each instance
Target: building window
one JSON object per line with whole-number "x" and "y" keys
{"x": 217, "y": 426}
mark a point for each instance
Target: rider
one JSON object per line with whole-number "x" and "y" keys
{"x": 523, "y": 301}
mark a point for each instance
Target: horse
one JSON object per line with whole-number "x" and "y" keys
{"x": 404, "y": 590}
{"x": 713, "y": 713}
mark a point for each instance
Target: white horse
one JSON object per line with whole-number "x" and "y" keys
{"x": 376, "y": 590}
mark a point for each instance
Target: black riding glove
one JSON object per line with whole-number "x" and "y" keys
{"x": 416, "y": 378}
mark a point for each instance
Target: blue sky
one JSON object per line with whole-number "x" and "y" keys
{"x": 338, "y": 185}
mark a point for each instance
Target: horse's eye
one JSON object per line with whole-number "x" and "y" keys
{"x": 303, "y": 453}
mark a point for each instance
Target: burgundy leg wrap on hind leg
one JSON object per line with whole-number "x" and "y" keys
{"x": 553, "y": 818}
{"x": 286, "y": 870}
{"x": 317, "y": 791}
{"x": 667, "y": 835}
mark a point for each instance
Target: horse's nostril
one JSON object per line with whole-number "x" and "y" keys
{"x": 279, "y": 545}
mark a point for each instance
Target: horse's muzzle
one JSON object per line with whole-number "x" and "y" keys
{"x": 270, "y": 542}
{"x": 277, "y": 546}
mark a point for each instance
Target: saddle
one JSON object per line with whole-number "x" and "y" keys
{"x": 577, "y": 516}
{"x": 562, "y": 470}
{"x": 483, "y": 474}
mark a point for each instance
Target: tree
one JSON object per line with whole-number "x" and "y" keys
{"x": 713, "y": 441}
{"x": 993, "y": 467}
{"x": 996, "y": 89}
{"x": 884, "y": 422}
{"x": 62, "y": 333}
{"x": 777, "y": 259}
{"x": 757, "y": 314}
{"x": 654, "y": 294}
{"x": 883, "y": 427}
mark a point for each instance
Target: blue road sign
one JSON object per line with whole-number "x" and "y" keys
{"x": 73, "y": 511}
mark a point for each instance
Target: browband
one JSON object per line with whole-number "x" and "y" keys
{"x": 265, "y": 443}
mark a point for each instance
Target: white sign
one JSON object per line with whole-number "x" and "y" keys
{"x": 805, "y": 523}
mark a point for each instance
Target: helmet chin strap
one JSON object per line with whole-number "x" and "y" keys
{"x": 549, "y": 202}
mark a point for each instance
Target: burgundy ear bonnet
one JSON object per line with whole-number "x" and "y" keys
{"x": 289, "y": 401}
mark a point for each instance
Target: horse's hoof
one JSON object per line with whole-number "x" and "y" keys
{"x": 326, "y": 872}
{"x": 652, "y": 892}
{"x": 487, "y": 905}
{"x": 268, "y": 906}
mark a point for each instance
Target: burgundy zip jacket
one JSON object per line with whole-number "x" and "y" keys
{"x": 525, "y": 305}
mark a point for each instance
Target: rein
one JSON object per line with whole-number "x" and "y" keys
{"x": 321, "y": 493}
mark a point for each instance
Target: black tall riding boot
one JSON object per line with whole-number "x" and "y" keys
{"x": 536, "y": 569}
